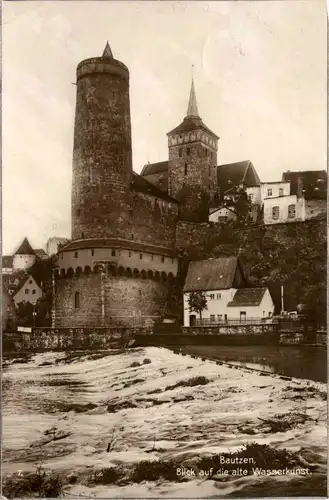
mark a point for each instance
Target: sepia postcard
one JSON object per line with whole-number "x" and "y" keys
{"x": 164, "y": 249}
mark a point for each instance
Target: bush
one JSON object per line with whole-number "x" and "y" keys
{"x": 152, "y": 471}
{"x": 191, "y": 382}
{"x": 107, "y": 476}
{"x": 135, "y": 364}
{"x": 146, "y": 361}
{"x": 44, "y": 484}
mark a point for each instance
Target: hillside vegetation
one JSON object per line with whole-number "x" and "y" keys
{"x": 293, "y": 255}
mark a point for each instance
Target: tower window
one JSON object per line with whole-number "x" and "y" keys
{"x": 141, "y": 256}
{"x": 180, "y": 152}
{"x": 162, "y": 259}
{"x": 75, "y": 255}
{"x": 82, "y": 235}
{"x": 132, "y": 236}
{"x": 185, "y": 169}
{"x": 129, "y": 254}
{"x": 92, "y": 253}
{"x": 188, "y": 151}
{"x": 76, "y": 300}
{"x": 113, "y": 253}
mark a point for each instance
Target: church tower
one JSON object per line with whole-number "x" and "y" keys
{"x": 192, "y": 168}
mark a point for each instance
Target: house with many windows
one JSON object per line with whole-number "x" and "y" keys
{"x": 276, "y": 202}
{"x": 228, "y": 297}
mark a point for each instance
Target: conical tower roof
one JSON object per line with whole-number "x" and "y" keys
{"x": 107, "y": 51}
{"x": 25, "y": 248}
{"x": 192, "y": 108}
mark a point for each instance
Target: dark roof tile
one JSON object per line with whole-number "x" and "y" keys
{"x": 192, "y": 123}
{"x": 247, "y": 297}
{"x": 25, "y": 248}
{"x": 155, "y": 168}
{"x": 141, "y": 184}
{"x": 211, "y": 274}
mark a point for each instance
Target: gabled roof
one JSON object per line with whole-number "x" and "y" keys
{"x": 40, "y": 253}
{"x": 314, "y": 183}
{"x": 23, "y": 282}
{"x": 211, "y": 274}
{"x": 155, "y": 168}
{"x": 25, "y": 248}
{"x": 7, "y": 261}
{"x": 234, "y": 174}
{"x": 247, "y": 297}
{"x": 192, "y": 123}
{"x": 141, "y": 184}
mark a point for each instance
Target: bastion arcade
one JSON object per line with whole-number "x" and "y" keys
{"x": 121, "y": 264}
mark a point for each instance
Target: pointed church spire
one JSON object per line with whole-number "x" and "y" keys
{"x": 107, "y": 51}
{"x": 192, "y": 109}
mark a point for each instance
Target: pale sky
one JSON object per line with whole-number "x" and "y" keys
{"x": 260, "y": 72}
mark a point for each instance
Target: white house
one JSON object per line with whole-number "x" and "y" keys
{"x": 224, "y": 285}
{"x": 277, "y": 203}
{"x": 222, "y": 214}
{"x": 28, "y": 291}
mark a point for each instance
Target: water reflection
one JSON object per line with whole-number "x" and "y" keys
{"x": 300, "y": 362}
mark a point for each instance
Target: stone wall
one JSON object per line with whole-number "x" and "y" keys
{"x": 153, "y": 220}
{"x": 62, "y": 339}
{"x": 102, "y": 156}
{"x": 257, "y": 329}
{"x": 115, "y": 297}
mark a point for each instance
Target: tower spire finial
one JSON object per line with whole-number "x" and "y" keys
{"x": 192, "y": 109}
{"x": 107, "y": 51}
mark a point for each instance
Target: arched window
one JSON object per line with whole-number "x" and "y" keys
{"x": 188, "y": 151}
{"x": 76, "y": 300}
{"x": 180, "y": 152}
{"x": 292, "y": 211}
{"x": 185, "y": 169}
{"x": 275, "y": 212}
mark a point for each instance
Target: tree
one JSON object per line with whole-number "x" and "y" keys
{"x": 197, "y": 302}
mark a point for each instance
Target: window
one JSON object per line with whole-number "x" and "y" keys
{"x": 75, "y": 255}
{"x": 188, "y": 151}
{"x": 30, "y": 282}
{"x": 269, "y": 192}
{"x": 222, "y": 218}
{"x": 185, "y": 169}
{"x": 219, "y": 296}
{"x": 212, "y": 296}
{"x": 206, "y": 152}
{"x": 292, "y": 211}
{"x": 129, "y": 254}
{"x": 219, "y": 317}
{"x": 82, "y": 235}
{"x": 76, "y": 300}
{"x": 34, "y": 292}
{"x": 281, "y": 192}
{"x": 113, "y": 253}
{"x": 250, "y": 197}
{"x": 141, "y": 256}
{"x": 151, "y": 257}
{"x": 26, "y": 291}
{"x": 92, "y": 253}
{"x": 275, "y": 212}
{"x": 162, "y": 259}
{"x": 180, "y": 152}
{"x": 243, "y": 315}
{"x": 212, "y": 317}
{"x": 132, "y": 236}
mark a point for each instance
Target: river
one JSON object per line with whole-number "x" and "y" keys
{"x": 300, "y": 362}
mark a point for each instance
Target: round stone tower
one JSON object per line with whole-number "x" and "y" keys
{"x": 102, "y": 156}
